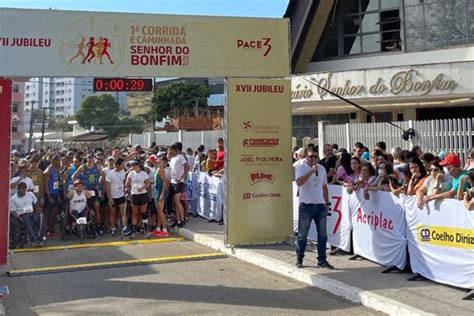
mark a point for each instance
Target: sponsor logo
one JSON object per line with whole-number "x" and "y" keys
{"x": 261, "y": 142}
{"x": 425, "y": 234}
{"x": 374, "y": 220}
{"x": 265, "y": 44}
{"x": 446, "y": 236}
{"x": 261, "y": 176}
{"x": 262, "y": 195}
{"x": 250, "y": 126}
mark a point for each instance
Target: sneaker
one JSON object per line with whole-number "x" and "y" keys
{"x": 299, "y": 263}
{"x": 126, "y": 231}
{"x": 181, "y": 224}
{"x": 156, "y": 232}
{"x": 163, "y": 233}
{"x": 326, "y": 265}
{"x": 114, "y": 231}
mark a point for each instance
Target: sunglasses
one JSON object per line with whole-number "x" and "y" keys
{"x": 312, "y": 156}
{"x": 435, "y": 169}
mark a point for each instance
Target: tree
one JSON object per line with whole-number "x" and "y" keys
{"x": 59, "y": 124}
{"x": 179, "y": 98}
{"x": 98, "y": 111}
{"x": 124, "y": 125}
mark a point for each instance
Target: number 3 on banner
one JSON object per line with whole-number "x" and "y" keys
{"x": 337, "y": 210}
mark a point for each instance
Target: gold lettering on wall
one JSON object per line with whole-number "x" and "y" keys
{"x": 402, "y": 82}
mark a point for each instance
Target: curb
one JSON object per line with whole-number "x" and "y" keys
{"x": 356, "y": 295}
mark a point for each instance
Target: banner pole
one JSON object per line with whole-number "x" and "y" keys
{"x": 5, "y": 145}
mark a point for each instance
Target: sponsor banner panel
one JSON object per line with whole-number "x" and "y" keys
{"x": 259, "y": 192}
{"x": 74, "y": 43}
{"x": 441, "y": 241}
{"x": 379, "y": 228}
{"x": 339, "y": 222}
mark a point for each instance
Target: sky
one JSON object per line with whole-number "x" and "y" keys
{"x": 249, "y": 8}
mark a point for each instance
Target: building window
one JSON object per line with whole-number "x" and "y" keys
{"x": 307, "y": 125}
{"x": 438, "y": 24}
{"x": 14, "y": 129}
{"x": 16, "y": 88}
{"x": 360, "y": 27}
{"x": 15, "y": 107}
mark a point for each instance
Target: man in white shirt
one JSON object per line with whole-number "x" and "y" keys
{"x": 179, "y": 169}
{"x": 23, "y": 205}
{"x": 314, "y": 204}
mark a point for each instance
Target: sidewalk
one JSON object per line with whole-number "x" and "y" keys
{"x": 359, "y": 281}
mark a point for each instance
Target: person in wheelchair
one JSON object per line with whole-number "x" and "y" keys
{"x": 23, "y": 206}
{"x": 78, "y": 200}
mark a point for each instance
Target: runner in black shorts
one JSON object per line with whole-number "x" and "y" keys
{"x": 139, "y": 183}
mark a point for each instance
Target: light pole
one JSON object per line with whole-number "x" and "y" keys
{"x": 32, "y": 120}
{"x": 42, "y": 125}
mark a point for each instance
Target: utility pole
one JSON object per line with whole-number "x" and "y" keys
{"x": 32, "y": 121}
{"x": 43, "y": 126}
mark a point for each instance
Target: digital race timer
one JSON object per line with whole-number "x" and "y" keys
{"x": 122, "y": 84}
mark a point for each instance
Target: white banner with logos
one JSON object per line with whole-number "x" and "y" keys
{"x": 207, "y": 191}
{"x": 379, "y": 228}
{"x": 338, "y": 224}
{"x": 441, "y": 241}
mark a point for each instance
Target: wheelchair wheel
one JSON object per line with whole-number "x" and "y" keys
{"x": 62, "y": 225}
{"x": 81, "y": 229}
{"x": 15, "y": 233}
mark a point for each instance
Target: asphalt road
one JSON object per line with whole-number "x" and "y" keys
{"x": 211, "y": 286}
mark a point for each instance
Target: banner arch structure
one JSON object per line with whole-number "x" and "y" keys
{"x": 55, "y": 43}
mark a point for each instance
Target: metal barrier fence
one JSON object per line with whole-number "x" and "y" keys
{"x": 450, "y": 135}
{"x": 189, "y": 139}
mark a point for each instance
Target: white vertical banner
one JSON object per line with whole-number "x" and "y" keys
{"x": 379, "y": 228}
{"x": 339, "y": 222}
{"x": 441, "y": 241}
{"x": 208, "y": 190}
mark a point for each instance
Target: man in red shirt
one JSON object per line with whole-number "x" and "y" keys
{"x": 219, "y": 165}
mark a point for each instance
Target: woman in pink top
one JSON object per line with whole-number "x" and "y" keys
{"x": 344, "y": 172}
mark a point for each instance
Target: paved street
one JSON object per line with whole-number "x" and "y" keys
{"x": 210, "y": 286}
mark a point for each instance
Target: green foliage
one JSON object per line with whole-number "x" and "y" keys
{"x": 178, "y": 98}
{"x": 124, "y": 125}
{"x": 102, "y": 112}
{"x": 98, "y": 111}
{"x": 57, "y": 124}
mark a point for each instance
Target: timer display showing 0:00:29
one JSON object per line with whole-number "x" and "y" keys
{"x": 107, "y": 84}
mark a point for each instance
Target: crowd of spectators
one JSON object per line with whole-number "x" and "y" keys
{"x": 428, "y": 176}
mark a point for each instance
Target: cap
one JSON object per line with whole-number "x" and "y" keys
{"x": 90, "y": 155}
{"x": 451, "y": 160}
{"x": 110, "y": 158}
{"x": 152, "y": 158}
{"x": 161, "y": 153}
{"x": 14, "y": 152}
{"x": 134, "y": 162}
{"x": 77, "y": 182}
